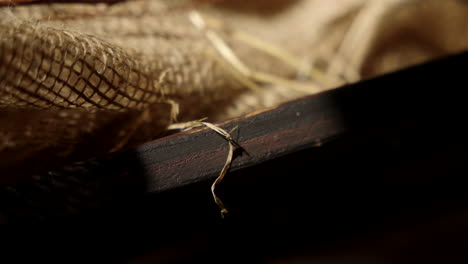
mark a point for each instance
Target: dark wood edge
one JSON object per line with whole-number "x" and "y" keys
{"x": 199, "y": 155}
{"x": 386, "y": 101}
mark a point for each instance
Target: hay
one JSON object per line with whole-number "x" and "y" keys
{"x": 232, "y": 147}
{"x": 246, "y": 75}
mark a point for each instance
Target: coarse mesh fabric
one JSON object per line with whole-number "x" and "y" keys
{"x": 78, "y": 80}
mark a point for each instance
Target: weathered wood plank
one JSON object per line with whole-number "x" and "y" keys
{"x": 193, "y": 156}
{"x": 412, "y": 95}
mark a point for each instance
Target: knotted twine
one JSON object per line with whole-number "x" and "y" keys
{"x": 232, "y": 147}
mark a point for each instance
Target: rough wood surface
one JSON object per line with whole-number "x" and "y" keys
{"x": 194, "y": 156}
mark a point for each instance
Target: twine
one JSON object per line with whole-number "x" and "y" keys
{"x": 232, "y": 147}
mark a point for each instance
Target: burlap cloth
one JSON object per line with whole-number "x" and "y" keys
{"x": 78, "y": 80}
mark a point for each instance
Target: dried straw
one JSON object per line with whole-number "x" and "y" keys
{"x": 232, "y": 147}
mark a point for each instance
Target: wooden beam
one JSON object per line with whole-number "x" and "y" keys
{"x": 199, "y": 155}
